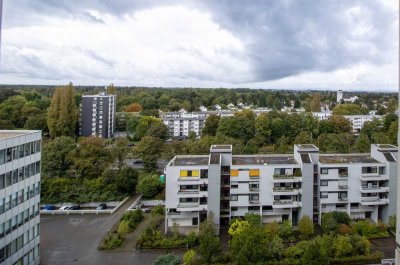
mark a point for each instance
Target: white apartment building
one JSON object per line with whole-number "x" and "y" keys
{"x": 20, "y": 153}
{"x": 182, "y": 123}
{"x": 358, "y": 121}
{"x": 280, "y": 187}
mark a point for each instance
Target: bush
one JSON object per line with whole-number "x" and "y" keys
{"x": 306, "y": 227}
{"x": 133, "y": 218}
{"x": 157, "y": 210}
{"x": 313, "y": 255}
{"x": 123, "y": 228}
{"x": 189, "y": 258}
{"x": 344, "y": 229}
{"x": 370, "y": 259}
{"x": 364, "y": 228}
{"x": 150, "y": 186}
{"x": 286, "y": 231}
{"x": 342, "y": 247}
{"x": 330, "y": 221}
{"x": 272, "y": 229}
{"x": 112, "y": 241}
{"x": 392, "y": 221}
{"x": 168, "y": 259}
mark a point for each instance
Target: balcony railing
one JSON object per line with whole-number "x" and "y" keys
{"x": 284, "y": 202}
{"x": 188, "y": 192}
{"x": 278, "y": 176}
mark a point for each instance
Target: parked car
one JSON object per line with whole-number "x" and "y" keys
{"x": 101, "y": 206}
{"x": 137, "y": 161}
{"x": 75, "y": 207}
{"x": 64, "y": 208}
{"x": 49, "y": 208}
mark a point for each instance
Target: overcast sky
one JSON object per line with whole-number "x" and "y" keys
{"x": 292, "y": 44}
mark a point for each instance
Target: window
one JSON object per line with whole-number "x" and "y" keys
{"x": 189, "y": 173}
{"x": 254, "y": 173}
{"x": 324, "y": 195}
{"x": 254, "y": 197}
{"x": 324, "y": 171}
{"x": 267, "y": 208}
{"x": 253, "y": 208}
{"x": 324, "y": 183}
{"x": 234, "y": 197}
{"x": 8, "y": 155}
{"x": 254, "y": 185}
{"x": 382, "y": 170}
{"x": 2, "y": 182}
{"x": 204, "y": 173}
{"x": 2, "y": 156}
{"x": 234, "y": 186}
{"x": 368, "y": 170}
{"x": 195, "y": 221}
{"x": 234, "y": 172}
{"x": 323, "y": 205}
{"x": 234, "y": 208}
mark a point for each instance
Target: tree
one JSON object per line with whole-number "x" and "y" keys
{"x": 134, "y": 107}
{"x": 306, "y": 227}
{"x": 158, "y": 130}
{"x": 63, "y": 113}
{"x": 388, "y": 120}
{"x": 147, "y": 122}
{"x": 56, "y": 156}
{"x": 340, "y": 123}
{"x": 303, "y": 138}
{"x": 392, "y": 132}
{"x": 91, "y": 158}
{"x": 315, "y": 104}
{"x": 313, "y": 255}
{"x": 342, "y": 247}
{"x": 150, "y": 186}
{"x": 286, "y": 230}
{"x": 126, "y": 180}
{"x": 349, "y": 109}
{"x": 168, "y": 259}
{"x": 120, "y": 150}
{"x": 11, "y": 112}
{"x": 208, "y": 241}
{"x": 150, "y": 149}
{"x": 263, "y": 129}
{"x": 211, "y": 125}
{"x": 111, "y": 90}
{"x": 131, "y": 125}
{"x": 241, "y": 126}
{"x": 362, "y": 143}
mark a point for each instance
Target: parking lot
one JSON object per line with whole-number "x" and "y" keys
{"x": 73, "y": 239}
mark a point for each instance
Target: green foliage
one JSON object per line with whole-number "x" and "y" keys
{"x": 63, "y": 112}
{"x": 349, "y": 109}
{"x": 132, "y": 219}
{"x": 150, "y": 186}
{"x": 151, "y": 126}
{"x": 168, "y": 259}
{"x": 208, "y": 241}
{"x": 150, "y": 149}
{"x": 189, "y": 258}
{"x": 272, "y": 229}
{"x": 313, "y": 255}
{"x": 342, "y": 247}
{"x": 123, "y": 228}
{"x": 237, "y": 227}
{"x": 330, "y": 221}
{"x": 392, "y": 221}
{"x": 211, "y": 125}
{"x": 56, "y": 158}
{"x": 286, "y": 231}
{"x": 112, "y": 241}
{"x": 157, "y": 210}
{"x": 306, "y": 227}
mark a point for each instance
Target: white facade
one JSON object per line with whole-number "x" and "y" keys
{"x": 20, "y": 153}
{"x": 280, "y": 187}
{"x": 358, "y": 121}
{"x": 323, "y": 115}
{"x": 339, "y": 96}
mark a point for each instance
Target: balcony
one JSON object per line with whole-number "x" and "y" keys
{"x": 370, "y": 201}
{"x": 192, "y": 180}
{"x": 374, "y": 189}
{"x": 190, "y": 206}
{"x": 286, "y": 204}
{"x": 373, "y": 176}
{"x": 286, "y": 178}
{"x": 343, "y": 187}
{"x": 286, "y": 191}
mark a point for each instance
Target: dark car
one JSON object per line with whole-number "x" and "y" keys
{"x": 75, "y": 207}
{"x": 101, "y": 206}
{"x": 49, "y": 208}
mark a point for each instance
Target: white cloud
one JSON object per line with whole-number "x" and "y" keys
{"x": 147, "y": 47}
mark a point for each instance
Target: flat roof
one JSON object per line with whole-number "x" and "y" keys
{"x": 4, "y": 134}
{"x": 218, "y": 147}
{"x": 190, "y": 161}
{"x": 387, "y": 146}
{"x": 307, "y": 146}
{"x": 261, "y": 160}
{"x": 346, "y": 159}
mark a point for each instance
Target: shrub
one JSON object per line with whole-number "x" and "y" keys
{"x": 168, "y": 259}
{"x": 157, "y": 210}
{"x": 306, "y": 227}
{"x": 272, "y": 229}
{"x": 189, "y": 257}
{"x": 112, "y": 241}
{"x": 328, "y": 223}
{"x": 313, "y": 255}
{"x": 370, "y": 259}
{"x": 342, "y": 247}
{"x": 286, "y": 231}
{"x": 123, "y": 228}
{"x": 344, "y": 229}
{"x": 133, "y": 218}
{"x": 361, "y": 245}
{"x": 364, "y": 228}
{"x": 150, "y": 186}
{"x": 392, "y": 221}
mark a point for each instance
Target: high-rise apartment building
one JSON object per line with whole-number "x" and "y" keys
{"x": 97, "y": 115}
{"x": 280, "y": 187}
{"x": 20, "y": 153}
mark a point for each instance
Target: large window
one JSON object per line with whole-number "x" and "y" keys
{"x": 324, "y": 171}
{"x": 367, "y": 170}
{"x": 2, "y": 156}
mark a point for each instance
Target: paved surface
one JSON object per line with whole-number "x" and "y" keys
{"x": 73, "y": 239}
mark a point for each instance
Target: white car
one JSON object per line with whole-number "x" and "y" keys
{"x": 64, "y": 208}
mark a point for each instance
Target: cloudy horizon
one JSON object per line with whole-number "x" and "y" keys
{"x": 350, "y": 45}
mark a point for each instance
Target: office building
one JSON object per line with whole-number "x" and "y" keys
{"x": 97, "y": 115}
{"x": 280, "y": 187}
{"x": 20, "y": 153}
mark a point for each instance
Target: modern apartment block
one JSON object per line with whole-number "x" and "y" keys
{"x": 97, "y": 115}
{"x": 357, "y": 121}
{"x": 20, "y": 153}
{"x": 280, "y": 187}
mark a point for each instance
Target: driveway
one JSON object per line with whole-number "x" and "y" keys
{"x": 73, "y": 239}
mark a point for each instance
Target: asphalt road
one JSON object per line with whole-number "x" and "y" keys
{"x": 73, "y": 239}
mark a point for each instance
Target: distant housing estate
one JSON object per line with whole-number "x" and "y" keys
{"x": 280, "y": 187}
